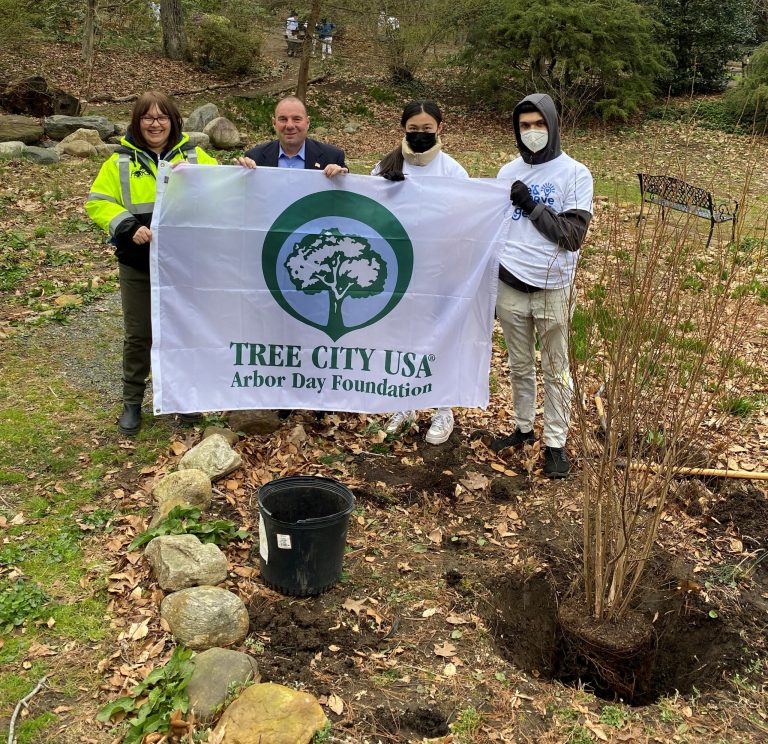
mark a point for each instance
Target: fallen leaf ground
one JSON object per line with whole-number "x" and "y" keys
{"x": 452, "y": 551}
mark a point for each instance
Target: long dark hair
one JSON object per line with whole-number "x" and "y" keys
{"x": 394, "y": 160}
{"x": 166, "y": 105}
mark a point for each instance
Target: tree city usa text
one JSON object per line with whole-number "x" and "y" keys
{"x": 406, "y": 364}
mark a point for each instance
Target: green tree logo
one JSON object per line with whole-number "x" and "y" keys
{"x": 337, "y": 261}
{"x": 341, "y": 265}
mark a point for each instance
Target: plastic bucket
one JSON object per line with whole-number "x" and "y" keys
{"x": 302, "y": 533}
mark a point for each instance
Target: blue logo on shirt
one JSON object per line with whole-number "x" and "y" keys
{"x": 541, "y": 193}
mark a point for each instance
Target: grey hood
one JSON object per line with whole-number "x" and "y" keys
{"x": 546, "y": 106}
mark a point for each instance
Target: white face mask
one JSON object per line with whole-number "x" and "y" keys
{"x": 535, "y": 139}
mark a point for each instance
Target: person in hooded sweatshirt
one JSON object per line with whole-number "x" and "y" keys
{"x": 121, "y": 202}
{"x": 552, "y": 197}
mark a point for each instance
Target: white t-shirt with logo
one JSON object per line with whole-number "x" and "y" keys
{"x": 441, "y": 165}
{"x": 562, "y": 184}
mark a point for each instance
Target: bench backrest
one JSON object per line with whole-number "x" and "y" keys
{"x": 675, "y": 190}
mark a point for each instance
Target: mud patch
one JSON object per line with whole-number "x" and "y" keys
{"x": 436, "y": 471}
{"x": 297, "y": 636}
{"x": 419, "y": 721}
{"x": 745, "y": 508}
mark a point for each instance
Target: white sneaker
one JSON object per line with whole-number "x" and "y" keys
{"x": 400, "y": 421}
{"x": 441, "y": 428}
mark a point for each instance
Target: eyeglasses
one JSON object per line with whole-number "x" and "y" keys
{"x": 153, "y": 119}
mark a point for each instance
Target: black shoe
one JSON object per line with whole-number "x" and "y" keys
{"x": 556, "y": 462}
{"x": 516, "y": 440}
{"x": 190, "y": 418}
{"x": 129, "y": 422}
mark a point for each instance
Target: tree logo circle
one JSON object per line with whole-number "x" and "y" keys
{"x": 337, "y": 261}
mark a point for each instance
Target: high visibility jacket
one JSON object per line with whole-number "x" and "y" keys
{"x": 122, "y": 198}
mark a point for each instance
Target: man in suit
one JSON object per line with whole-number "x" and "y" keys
{"x": 292, "y": 148}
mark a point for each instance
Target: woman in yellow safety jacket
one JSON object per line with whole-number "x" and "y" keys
{"x": 121, "y": 202}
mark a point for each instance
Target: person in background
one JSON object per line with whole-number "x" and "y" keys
{"x": 552, "y": 194}
{"x": 292, "y": 26}
{"x": 325, "y": 30}
{"x": 420, "y": 153}
{"x": 121, "y": 202}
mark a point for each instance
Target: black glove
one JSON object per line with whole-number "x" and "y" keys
{"x": 521, "y": 197}
{"x": 394, "y": 175}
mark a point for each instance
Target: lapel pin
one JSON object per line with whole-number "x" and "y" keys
{"x": 317, "y": 165}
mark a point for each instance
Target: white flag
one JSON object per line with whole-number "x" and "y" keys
{"x": 281, "y": 288}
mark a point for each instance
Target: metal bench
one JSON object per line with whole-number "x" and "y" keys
{"x": 672, "y": 193}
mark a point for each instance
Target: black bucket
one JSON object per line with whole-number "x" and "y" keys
{"x": 302, "y": 533}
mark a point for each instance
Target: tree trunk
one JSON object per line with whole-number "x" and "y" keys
{"x": 174, "y": 36}
{"x": 89, "y": 31}
{"x": 306, "y": 51}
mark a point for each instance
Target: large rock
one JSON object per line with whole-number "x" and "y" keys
{"x": 41, "y": 155}
{"x": 271, "y": 714}
{"x": 223, "y": 134}
{"x": 213, "y": 456}
{"x": 78, "y": 149}
{"x": 217, "y": 672}
{"x": 91, "y": 136}
{"x": 33, "y": 96}
{"x": 201, "y": 116}
{"x": 105, "y": 149}
{"x": 58, "y": 127}
{"x": 20, "y": 129}
{"x": 181, "y": 561}
{"x": 199, "y": 139}
{"x": 12, "y": 149}
{"x": 254, "y": 422}
{"x": 191, "y": 487}
{"x": 205, "y": 616}
{"x": 231, "y": 436}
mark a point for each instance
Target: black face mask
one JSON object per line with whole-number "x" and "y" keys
{"x": 421, "y": 141}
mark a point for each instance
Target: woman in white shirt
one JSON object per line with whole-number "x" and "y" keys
{"x": 420, "y": 154}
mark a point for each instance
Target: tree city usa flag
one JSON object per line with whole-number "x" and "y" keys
{"x": 281, "y": 288}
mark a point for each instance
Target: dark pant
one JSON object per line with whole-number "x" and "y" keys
{"x": 137, "y": 332}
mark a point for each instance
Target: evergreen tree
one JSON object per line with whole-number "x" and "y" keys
{"x": 591, "y": 56}
{"x": 703, "y": 36}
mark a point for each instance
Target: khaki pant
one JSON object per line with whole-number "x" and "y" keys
{"x": 546, "y": 314}
{"x": 137, "y": 332}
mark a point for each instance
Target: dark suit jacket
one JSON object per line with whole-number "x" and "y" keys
{"x": 316, "y": 155}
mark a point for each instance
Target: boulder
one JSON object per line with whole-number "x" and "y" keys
{"x": 78, "y": 148}
{"x": 213, "y": 456}
{"x": 228, "y": 434}
{"x": 254, "y": 422}
{"x": 271, "y": 713}
{"x": 351, "y": 127}
{"x": 200, "y": 117}
{"x": 33, "y": 96}
{"x": 106, "y": 149}
{"x": 190, "y": 487}
{"x": 91, "y": 136}
{"x": 12, "y": 150}
{"x": 121, "y": 128}
{"x": 181, "y": 561}
{"x": 20, "y": 129}
{"x": 223, "y": 134}
{"x": 41, "y": 155}
{"x": 199, "y": 139}
{"x": 217, "y": 672}
{"x": 58, "y": 127}
{"x": 202, "y": 617}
